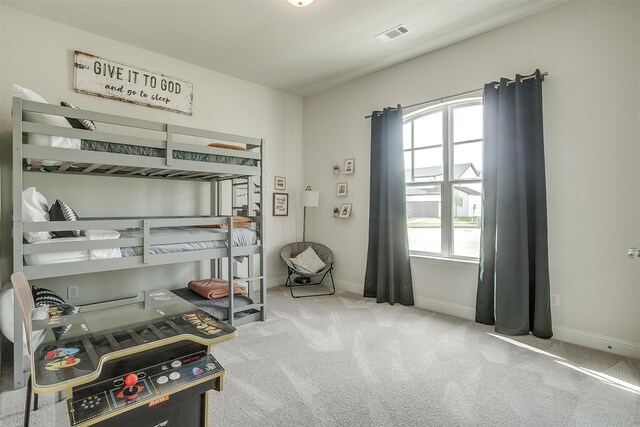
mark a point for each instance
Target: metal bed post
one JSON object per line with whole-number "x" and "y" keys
{"x": 230, "y": 313}
{"x": 234, "y": 212}
{"x": 250, "y": 211}
{"x": 263, "y": 265}
{"x": 20, "y": 377}
{"x": 218, "y": 261}
{"x": 213, "y": 210}
{"x": 169, "y": 150}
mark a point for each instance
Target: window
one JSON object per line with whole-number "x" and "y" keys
{"x": 443, "y": 171}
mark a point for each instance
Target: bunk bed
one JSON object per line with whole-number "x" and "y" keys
{"x": 233, "y": 166}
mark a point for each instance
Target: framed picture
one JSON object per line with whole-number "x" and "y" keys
{"x": 345, "y": 211}
{"x": 280, "y": 183}
{"x": 280, "y": 204}
{"x": 341, "y": 189}
{"x": 349, "y": 166}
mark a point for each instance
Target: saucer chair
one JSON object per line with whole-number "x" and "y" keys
{"x": 296, "y": 278}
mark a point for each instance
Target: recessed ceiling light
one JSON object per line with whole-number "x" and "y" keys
{"x": 300, "y": 3}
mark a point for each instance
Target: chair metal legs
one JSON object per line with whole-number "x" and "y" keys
{"x": 27, "y": 403}
{"x": 290, "y": 284}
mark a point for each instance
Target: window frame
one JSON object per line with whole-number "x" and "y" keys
{"x": 447, "y": 182}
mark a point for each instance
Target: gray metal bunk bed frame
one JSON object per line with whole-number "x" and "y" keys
{"x": 83, "y": 162}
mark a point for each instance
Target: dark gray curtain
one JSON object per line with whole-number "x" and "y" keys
{"x": 513, "y": 282}
{"x": 388, "y": 273}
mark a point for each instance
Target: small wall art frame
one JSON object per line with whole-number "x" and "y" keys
{"x": 345, "y": 211}
{"x": 279, "y": 183}
{"x": 349, "y": 166}
{"x": 280, "y": 204}
{"x": 342, "y": 189}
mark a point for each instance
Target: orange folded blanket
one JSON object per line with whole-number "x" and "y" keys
{"x": 215, "y": 288}
{"x": 227, "y": 146}
{"x": 238, "y": 222}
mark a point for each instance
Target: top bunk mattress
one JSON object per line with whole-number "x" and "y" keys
{"x": 137, "y": 150}
{"x": 127, "y": 146}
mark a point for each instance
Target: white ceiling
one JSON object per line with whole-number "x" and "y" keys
{"x": 298, "y": 50}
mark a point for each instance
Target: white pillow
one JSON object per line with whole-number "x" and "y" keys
{"x": 35, "y": 209}
{"x": 6, "y": 315}
{"x": 308, "y": 261}
{"x": 6, "y": 322}
{"x": 45, "y": 140}
{"x": 103, "y": 235}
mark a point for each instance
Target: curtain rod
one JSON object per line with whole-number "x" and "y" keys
{"x": 532, "y": 76}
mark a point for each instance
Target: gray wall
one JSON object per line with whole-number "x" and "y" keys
{"x": 38, "y": 54}
{"x": 591, "y": 106}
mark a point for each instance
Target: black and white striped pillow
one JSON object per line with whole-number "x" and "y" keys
{"x": 60, "y": 211}
{"x": 79, "y": 123}
{"x": 44, "y": 298}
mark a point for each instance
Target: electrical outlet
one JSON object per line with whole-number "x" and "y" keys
{"x": 555, "y": 300}
{"x": 72, "y": 292}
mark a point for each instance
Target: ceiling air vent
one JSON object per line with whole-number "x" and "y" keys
{"x": 393, "y": 33}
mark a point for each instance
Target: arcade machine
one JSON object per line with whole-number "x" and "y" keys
{"x": 141, "y": 361}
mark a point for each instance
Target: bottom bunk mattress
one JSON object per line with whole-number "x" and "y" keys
{"x": 219, "y": 307}
{"x": 240, "y": 237}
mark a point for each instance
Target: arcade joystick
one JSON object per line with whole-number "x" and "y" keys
{"x": 130, "y": 381}
{"x": 130, "y": 390}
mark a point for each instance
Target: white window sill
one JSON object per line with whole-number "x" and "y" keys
{"x": 446, "y": 262}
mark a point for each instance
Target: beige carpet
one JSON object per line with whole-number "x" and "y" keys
{"x": 345, "y": 361}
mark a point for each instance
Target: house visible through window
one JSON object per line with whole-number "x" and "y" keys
{"x": 443, "y": 171}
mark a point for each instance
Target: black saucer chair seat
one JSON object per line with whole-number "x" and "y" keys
{"x": 296, "y": 278}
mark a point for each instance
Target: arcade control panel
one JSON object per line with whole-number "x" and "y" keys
{"x": 153, "y": 385}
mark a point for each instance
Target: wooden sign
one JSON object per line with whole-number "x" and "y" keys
{"x": 109, "y": 79}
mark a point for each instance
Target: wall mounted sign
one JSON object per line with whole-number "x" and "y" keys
{"x": 109, "y": 79}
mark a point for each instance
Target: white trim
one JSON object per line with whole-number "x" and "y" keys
{"x": 276, "y": 281}
{"x": 445, "y": 262}
{"x": 560, "y": 333}
{"x": 356, "y": 288}
{"x": 451, "y": 309}
{"x": 599, "y": 342}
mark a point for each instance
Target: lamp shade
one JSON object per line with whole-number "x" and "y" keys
{"x": 310, "y": 198}
{"x": 300, "y": 3}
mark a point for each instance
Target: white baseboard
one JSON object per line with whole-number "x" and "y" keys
{"x": 599, "y": 342}
{"x": 356, "y": 288}
{"x": 340, "y": 284}
{"x": 443, "y": 307}
{"x": 276, "y": 281}
{"x": 420, "y": 302}
{"x": 560, "y": 333}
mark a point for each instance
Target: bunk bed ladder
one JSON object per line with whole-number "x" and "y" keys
{"x": 258, "y": 308}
